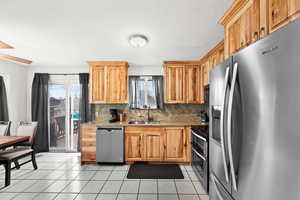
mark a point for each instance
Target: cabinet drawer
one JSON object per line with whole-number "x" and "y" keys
{"x": 88, "y": 143}
{"x": 88, "y": 156}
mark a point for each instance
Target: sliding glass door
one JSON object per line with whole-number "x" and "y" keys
{"x": 64, "y": 98}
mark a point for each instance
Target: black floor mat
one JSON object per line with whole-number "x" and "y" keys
{"x": 154, "y": 171}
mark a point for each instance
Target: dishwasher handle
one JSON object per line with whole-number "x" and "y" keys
{"x": 109, "y": 128}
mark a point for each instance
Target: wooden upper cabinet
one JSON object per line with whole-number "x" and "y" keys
{"x": 108, "y": 82}
{"x": 278, "y": 13}
{"x": 294, "y": 9}
{"x": 193, "y": 84}
{"x": 183, "y": 82}
{"x": 97, "y": 84}
{"x": 176, "y": 144}
{"x": 282, "y": 12}
{"x": 117, "y": 84}
{"x": 174, "y": 83}
{"x": 206, "y": 69}
{"x": 244, "y": 23}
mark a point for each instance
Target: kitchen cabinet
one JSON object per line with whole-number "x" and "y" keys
{"x": 211, "y": 60}
{"x": 174, "y": 76}
{"x": 176, "y": 142}
{"x": 108, "y": 82}
{"x": 154, "y": 148}
{"x": 157, "y": 144}
{"x": 134, "y": 145}
{"x": 88, "y": 144}
{"x": 282, "y": 12}
{"x": 206, "y": 69}
{"x": 193, "y": 84}
{"x": 244, "y": 23}
{"x": 182, "y": 82}
{"x": 278, "y": 13}
{"x": 97, "y": 84}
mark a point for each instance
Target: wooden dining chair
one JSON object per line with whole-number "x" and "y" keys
{"x": 27, "y": 149}
{"x": 4, "y": 128}
{"x": 27, "y": 129}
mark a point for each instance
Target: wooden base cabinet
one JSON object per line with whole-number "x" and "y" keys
{"x": 88, "y": 144}
{"x": 176, "y": 144}
{"x": 134, "y": 143}
{"x": 158, "y": 144}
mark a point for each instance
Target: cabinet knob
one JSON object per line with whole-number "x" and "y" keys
{"x": 262, "y": 31}
{"x": 255, "y": 36}
{"x": 275, "y": 12}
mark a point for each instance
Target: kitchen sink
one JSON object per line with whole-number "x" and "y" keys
{"x": 143, "y": 122}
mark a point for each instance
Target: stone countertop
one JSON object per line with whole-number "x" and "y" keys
{"x": 162, "y": 123}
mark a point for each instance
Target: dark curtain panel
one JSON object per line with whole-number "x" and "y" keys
{"x": 85, "y": 114}
{"x": 39, "y": 110}
{"x": 3, "y": 101}
{"x": 85, "y": 107}
{"x": 159, "y": 91}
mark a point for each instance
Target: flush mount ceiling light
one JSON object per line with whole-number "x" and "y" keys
{"x": 137, "y": 40}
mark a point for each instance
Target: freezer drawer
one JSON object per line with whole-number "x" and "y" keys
{"x": 110, "y": 145}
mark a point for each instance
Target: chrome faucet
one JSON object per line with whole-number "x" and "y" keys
{"x": 149, "y": 118}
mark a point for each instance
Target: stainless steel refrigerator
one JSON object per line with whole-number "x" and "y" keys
{"x": 255, "y": 121}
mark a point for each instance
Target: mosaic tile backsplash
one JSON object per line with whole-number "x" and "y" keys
{"x": 171, "y": 112}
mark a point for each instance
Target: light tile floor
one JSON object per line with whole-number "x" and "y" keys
{"x": 61, "y": 177}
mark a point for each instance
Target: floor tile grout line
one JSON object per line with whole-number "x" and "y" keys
{"x": 193, "y": 185}
{"x": 157, "y": 189}
{"x": 138, "y": 192}
{"x": 176, "y": 189}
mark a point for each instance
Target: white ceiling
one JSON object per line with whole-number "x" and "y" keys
{"x": 70, "y": 32}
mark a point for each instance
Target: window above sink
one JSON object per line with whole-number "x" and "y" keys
{"x": 146, "y": 92}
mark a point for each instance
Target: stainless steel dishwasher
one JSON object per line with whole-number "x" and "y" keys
{"x": 110, "y": 145}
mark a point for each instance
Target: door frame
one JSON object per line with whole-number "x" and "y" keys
{"x": 67, "y": 81}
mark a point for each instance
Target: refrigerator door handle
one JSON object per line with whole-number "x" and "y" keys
{"x": 222, "y": 126}
{"x": 213, "y": 178}
{"x": 230, "y": 103}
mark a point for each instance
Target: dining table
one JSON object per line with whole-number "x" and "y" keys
{"x": 8, "y": 141}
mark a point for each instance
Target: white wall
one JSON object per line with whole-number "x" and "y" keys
{"x": 15, "y": 78}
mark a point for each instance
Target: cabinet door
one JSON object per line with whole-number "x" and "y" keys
{"x": 213, "y": 60}
{"x": 154, "y": 148}
{"x": 245, "y": 29}
{"x": 278, "y": 13}
{"x": 294, "y": 9}
{"x": 193, "y": 84}
{"x": 205, "y": 67}
{"x": 98, "y": 84}
{"x": 133, "y": 146}
{"x": 254, "y": 28}
{"x": 88, "y": 144}
{"x": 176, "y": 144}
{"x": 221, "y": 55}
{"x": 116, "y": 84}
{"x": 174, "y": 84}
{"x": 234, "y": 37}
